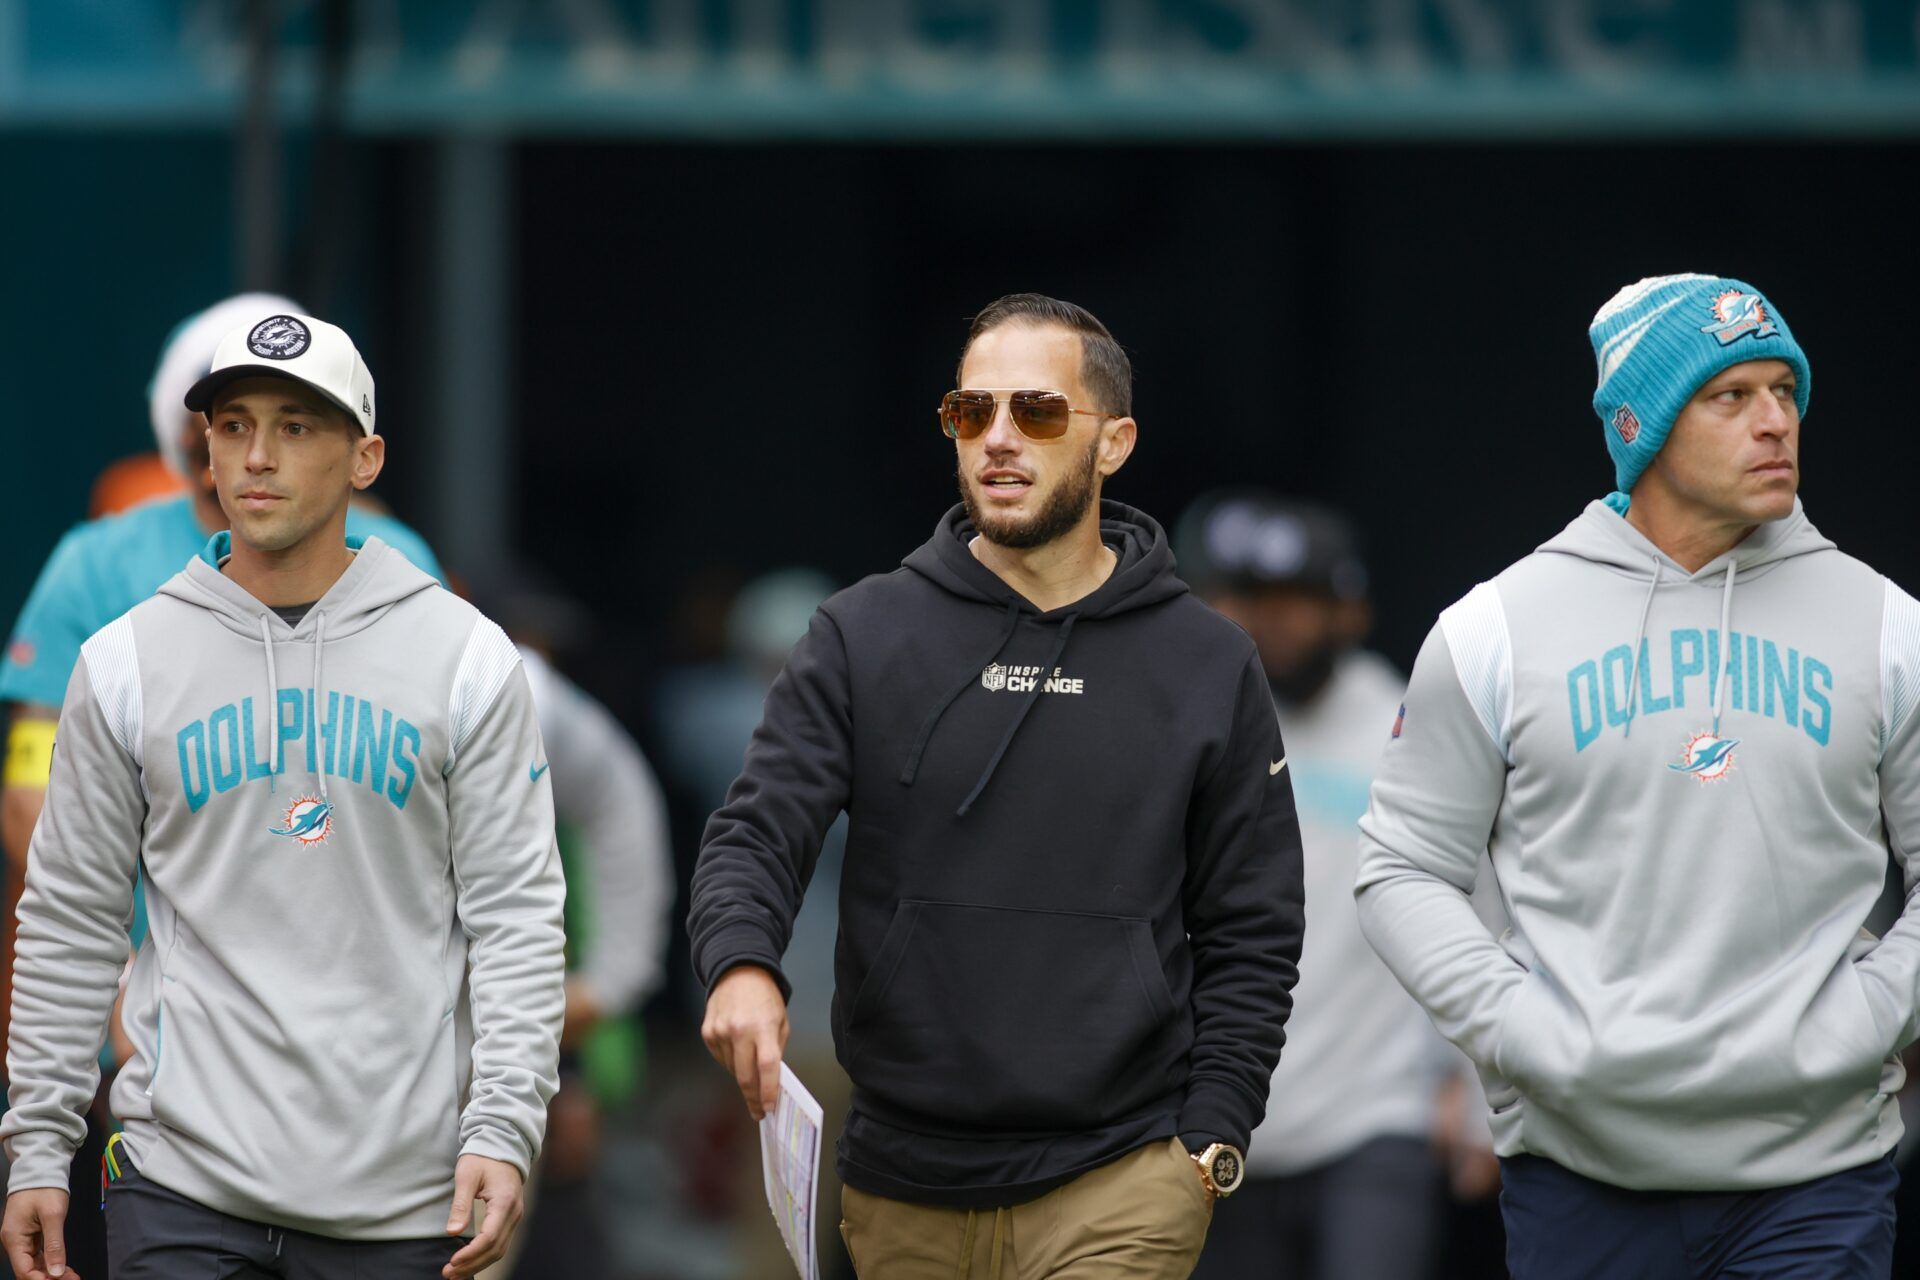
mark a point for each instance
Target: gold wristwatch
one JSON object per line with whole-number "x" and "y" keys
{"x": 1221, "y": 1168}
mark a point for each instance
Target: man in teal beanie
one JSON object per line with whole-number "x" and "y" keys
{"x": 1654, "y": 352}
{"x": 1686, "y": 730}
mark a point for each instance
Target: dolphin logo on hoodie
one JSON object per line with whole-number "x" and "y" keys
{"x": 1707, "y": 757}
{"x": 309, "y": 820}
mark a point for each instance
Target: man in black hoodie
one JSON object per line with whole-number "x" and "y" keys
{"x": 1071, "y": 909}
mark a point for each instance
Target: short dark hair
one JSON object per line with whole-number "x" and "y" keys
{"x": 1104, "y": 366}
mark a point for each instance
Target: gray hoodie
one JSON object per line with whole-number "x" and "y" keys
{"x": 1689, "y": 784}
{"x": 354, "y": 969}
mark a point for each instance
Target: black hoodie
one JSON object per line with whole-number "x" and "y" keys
{"x": 1071, "y": 912}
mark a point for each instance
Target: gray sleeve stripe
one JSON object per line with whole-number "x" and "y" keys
{"x": 1899, "y": 662}
{"x": 1476, "y": 631}
{"x": 113, "y": 669}
{"x": 485, "y": 664}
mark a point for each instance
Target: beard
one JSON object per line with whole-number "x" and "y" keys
{"x": 1064, "y": 508}
{"x": 1303, "y": 683}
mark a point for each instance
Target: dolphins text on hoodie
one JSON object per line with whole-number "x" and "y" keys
{"x": 354, "y": 970}
{"x": 1689, "y": 784}
{"x": 1070, "y": 910}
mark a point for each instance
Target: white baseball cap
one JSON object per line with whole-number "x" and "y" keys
{"x": 299, "y": 348}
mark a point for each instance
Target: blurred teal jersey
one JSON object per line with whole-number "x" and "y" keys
{"x": 104, "y": 567}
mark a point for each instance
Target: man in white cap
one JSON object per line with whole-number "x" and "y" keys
{"x": 345, "y": 1017}
{"x": 98, "y": 571}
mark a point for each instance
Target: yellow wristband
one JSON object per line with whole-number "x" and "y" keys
{"x": 30, "y": 753}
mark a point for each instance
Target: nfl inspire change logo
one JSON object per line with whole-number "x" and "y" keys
{"x": 994, "y": 678}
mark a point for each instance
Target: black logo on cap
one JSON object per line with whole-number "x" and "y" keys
{"x": 279, "y": 338}
{"x": 366, "y": 405}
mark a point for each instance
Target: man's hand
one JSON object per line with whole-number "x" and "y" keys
{"x": 1460, "y": 1144}
{"x": 498, "y": 1183}
{"x": 746, "y": 1031}
{"x": 34, "y": 1234}
{"x": 583, "y": 1014}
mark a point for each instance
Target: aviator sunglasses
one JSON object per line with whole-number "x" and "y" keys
{"x": 1040, "y": 415}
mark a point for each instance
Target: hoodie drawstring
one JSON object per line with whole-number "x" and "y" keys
{"x": 911, "y": 769}
{"x": 1722, "y": 661}
{"x": 270, "y": 710}
{"x": 1639, "y": 646}
{"x": 1719, "y": 677}
{"x": 320, "y": 689}
{"x": 1033, "y": 696}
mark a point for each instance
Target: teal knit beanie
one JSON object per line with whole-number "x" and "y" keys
{"x": 1658, "y": 340}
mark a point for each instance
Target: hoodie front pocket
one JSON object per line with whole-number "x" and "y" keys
{"x": 1012, "y": 1020}
{"x": 1874, "y": 1063}
{"x": 1519, "y": 1028}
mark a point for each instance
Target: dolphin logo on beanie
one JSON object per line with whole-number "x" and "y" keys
{"x": 1657, "y": 340}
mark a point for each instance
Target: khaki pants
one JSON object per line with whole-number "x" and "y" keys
{"x": 1141, "y": 1217}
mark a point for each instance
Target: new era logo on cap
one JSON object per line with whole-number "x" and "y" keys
{"x": 296, "y": 347}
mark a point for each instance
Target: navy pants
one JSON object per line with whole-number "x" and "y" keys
{"x": 1561, "y": 1226}
{"x": 157, "y": 1234}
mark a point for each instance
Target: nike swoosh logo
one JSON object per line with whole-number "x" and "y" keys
{"x": 533, "y": 774}
{"x": 1276, "y": 766}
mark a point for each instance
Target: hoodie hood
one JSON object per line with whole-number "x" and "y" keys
{"x": 377, "y": 579}
{"x": 1601, "y": 535}
{"x": 1142, "y": 576}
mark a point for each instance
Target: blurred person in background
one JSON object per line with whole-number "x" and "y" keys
{"x": 618, "y": 859}
{"x": 315, "y": 951}
{"x": 707, "y": 715}
{"x": 1070, "y": 911}
{"x": 132, "y": 481}
{"x": 1369, "y": 1111}
{"x": 1687, "y": 728}
{"x": 707, "y": 712}
{"x": 98, "y": 571}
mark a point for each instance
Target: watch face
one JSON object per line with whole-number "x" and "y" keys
{"x": 1226, "y": 1169}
